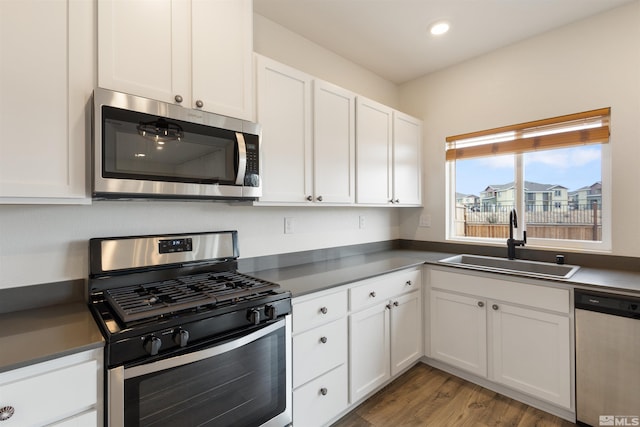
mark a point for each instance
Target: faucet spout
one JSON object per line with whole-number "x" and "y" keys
{"x": 511, "y": 242}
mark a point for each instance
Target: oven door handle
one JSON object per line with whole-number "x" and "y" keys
{"x": 184, "y": 359}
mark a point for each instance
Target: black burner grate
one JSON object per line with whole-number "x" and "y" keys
{"x": 154, "y": 299}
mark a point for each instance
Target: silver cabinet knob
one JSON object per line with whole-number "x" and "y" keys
{"x": 323, "y": 340}
{"x": 388, "y": 306}
{"x": 409, "y": 283}
{"x": 396, "y": 303}
{"x": 319, "y": 198}
{"x": 178, "y": 98}
{"x": 324, "y": 391}
{"x": 480, "y": 304}
{"x": 324, "y": 310}
{"x": 199, "y": 104}
{"x": 495, "y": 306}
{"x": 6, "y": 412}
{"x": 309, "y": 198}
{"x": 372, "y": 294}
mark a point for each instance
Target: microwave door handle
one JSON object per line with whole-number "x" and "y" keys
{"x": 242, "y": 159}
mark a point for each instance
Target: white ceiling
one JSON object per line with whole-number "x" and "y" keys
{"x": 391, "y": 37}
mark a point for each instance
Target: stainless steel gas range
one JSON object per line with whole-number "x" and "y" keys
{"x": 190, "y": 341}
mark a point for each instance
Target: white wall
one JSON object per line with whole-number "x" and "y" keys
{"x": 590, "y": 64}
{"x": 42, "y": 244}
{"x": 276, "y": 42}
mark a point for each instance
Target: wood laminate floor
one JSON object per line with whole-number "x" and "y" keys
{"x": 425, "y": 396}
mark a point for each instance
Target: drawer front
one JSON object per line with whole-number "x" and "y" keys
{"x": 319, "y": 350}
{"x": 532, "y": 295}
{"x": 321, "y": 400}
{"x": 318, "y": 311}
{"x": 50, "y": 396}
{"x": 384, "y": 287}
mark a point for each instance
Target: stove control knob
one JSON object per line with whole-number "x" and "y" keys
{"x": 254, "y": 316}
{"x": 152, "y": 345}
{"x": 180, "y": 337}
{"x": 271, "y": 311}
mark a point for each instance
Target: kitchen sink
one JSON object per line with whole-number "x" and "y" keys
{"x": 518, "y": 266}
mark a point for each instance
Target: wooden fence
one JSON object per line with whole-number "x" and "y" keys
{"x": 566, "y": 224}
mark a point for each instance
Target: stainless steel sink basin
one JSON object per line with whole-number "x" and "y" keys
{"x": 518, "y": 266}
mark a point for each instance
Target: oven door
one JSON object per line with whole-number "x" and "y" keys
{"x": 243, "y": 382}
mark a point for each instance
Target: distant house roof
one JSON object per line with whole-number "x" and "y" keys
{"x": 528, "y": 186}
{"x": 462, "y": 195}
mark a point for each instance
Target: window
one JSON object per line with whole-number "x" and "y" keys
{"x": 554, "y": 172}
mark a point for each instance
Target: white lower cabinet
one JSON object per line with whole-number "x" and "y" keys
{"x": 531, "y": 352}
{"x": 459, "y": 331}
{"x": 514, "y": 334}
{"x": 343, "y": 353}
{"x": 320, "y": 400}
{"x": 386, "y": 337}
{"x": 62, "y": 392}
{"x": 319, "y": 358}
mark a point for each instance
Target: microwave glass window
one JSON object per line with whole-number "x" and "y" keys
{"x": 141, "y": 146}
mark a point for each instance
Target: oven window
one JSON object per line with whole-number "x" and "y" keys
{"x": 242, "y": 387}
{"x": 142, "y": 146}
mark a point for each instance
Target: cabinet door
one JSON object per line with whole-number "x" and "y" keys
{"x": 284, "y": 111}
{"x": 459, "y": 331}
{"x": 143, "y": 48}
{"x": 407, "y": 159}
{"x": 317, "y": 402}
{"x": 406, "y": 331}
{"x": 369, "y": 364}
{"x": 373, "y": 152}
{"x": 531, "y": 352}
{"x": 221, "y": 52}
{"x": 45, "y": 397}
{"x": 46, "y": 81}
{"x": 333, "y": 144}
{"x": 319, "y": 350}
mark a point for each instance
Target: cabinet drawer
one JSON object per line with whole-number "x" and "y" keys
{"x": 318, "y": 311}
{"x": 319, "y": 350}
{"x": 50, "y": 396}
{"x": 319, "y": 401}
{"x": 381, "y": 288}
{"x": 532, "y": 295}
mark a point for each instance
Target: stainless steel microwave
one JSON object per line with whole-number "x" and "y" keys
{"x": 144, "y": 148}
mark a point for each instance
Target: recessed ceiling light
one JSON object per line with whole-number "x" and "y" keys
{"x": 439, "y": 28}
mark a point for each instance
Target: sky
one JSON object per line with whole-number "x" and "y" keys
{"x": 573, "y": 168}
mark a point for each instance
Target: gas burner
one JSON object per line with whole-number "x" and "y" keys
{"x": 150, "y": 300}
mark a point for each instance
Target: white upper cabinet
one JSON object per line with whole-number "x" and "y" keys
{"x": 46, "y": 82}
{"x": 333, "y": 144}
{"x": 373, "y": 150}
{"x": 388, "y": 153}
{"x": 194, "y": 53}
{"x": 308, "y": 139}
{"x": 284, "y": 111}
{"x": 407, "y": 159}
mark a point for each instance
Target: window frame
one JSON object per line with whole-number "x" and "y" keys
{"x": 604, "y": 245}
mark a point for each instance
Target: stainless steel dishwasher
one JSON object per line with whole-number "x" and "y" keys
{"x": 607, "y": 359}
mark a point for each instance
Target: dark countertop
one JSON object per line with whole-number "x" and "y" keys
{"x": 41, "y": 334}
{"x": 317, "y": 276}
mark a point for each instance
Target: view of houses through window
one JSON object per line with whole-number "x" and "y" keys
{"x": 557, "y": 192}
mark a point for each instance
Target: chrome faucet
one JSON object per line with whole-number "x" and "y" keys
{"x": 511, "y": 242}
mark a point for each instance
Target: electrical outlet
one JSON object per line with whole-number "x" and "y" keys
{"x": 361, "y": 221}
{"x": 289, "y": 225}
{"x": 425, "y": 220}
